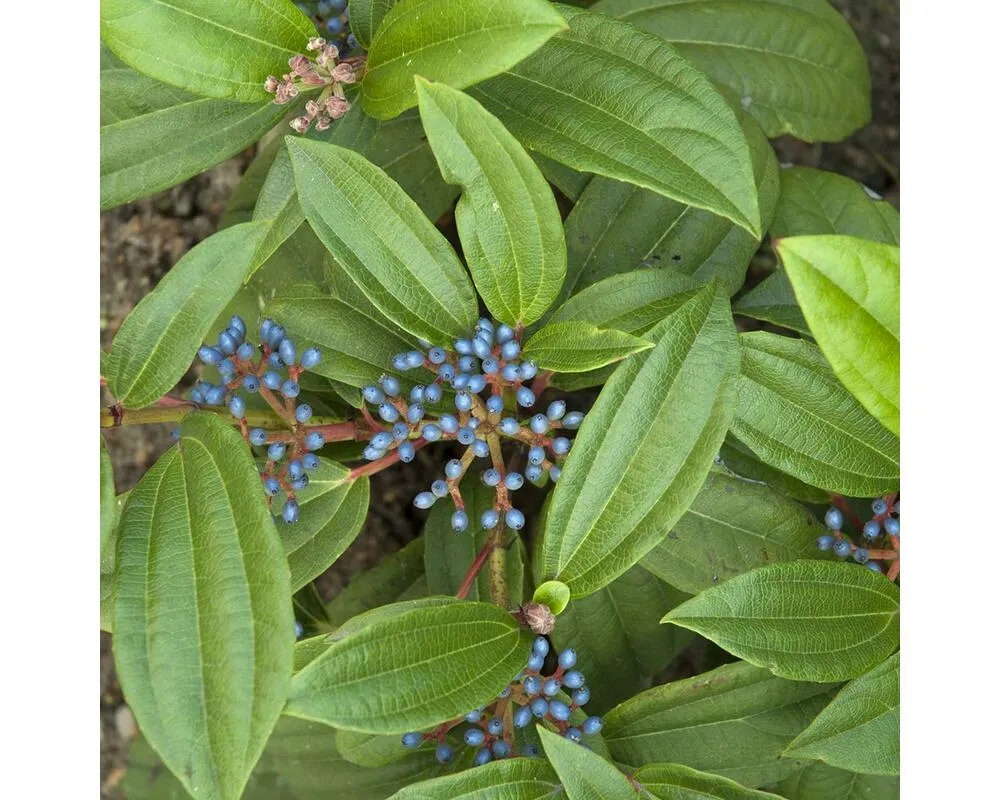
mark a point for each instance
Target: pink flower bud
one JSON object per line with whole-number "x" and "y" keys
{"x": 313, "y": 108}
{"x": 299, "y": 64}
{"x": 313, "y": 78}
{"x": 535, "y": 616}
{"x": 271, "y": 84}
{"x": 337, "y": 106}
{"x": 315, "y": 43}
{"x": 343, "y": 73}
{"x": 301, "y": 124}
{"x": 322, "y": 123}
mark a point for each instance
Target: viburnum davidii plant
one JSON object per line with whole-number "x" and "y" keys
{"x": 627, "y": 453}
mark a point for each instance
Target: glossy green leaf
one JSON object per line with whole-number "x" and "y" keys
{"x": 677, "y": 782}
{"x": 848, "y": 289}
{"x": 158, "y": 340}
{"x": 510, "y": 779}
{"x": 617, "y": 635}
{"x": 212, "y": 49}
{"x": 616, "y": 227}
{"x": 412, "y": 671}
{"x": 645, "y": 448}
{"x": 576, "y": 346}
{"x": 383, "y": 583}
{"x": 734, "y": 721}
{"x": 584, "y": 775}
{"x": 808, "y": 620}
{"x": 554, "y": 594}
{"x": 859, "y": 730}
{"x": 107, "y": 495}
{"x": 732, "y": 526}
{"x": 795, "y": 415}
{"x": 366, "y": 16}
{"x": 434, "y": 39}
{"x": 203, "y": 615}
{"x": 821, "y": 782}
{"x": 387, "y": 246}
{"x": 795, "y": 65}
{"x": 386, "y": 613}
{"x": 607, "y": 98}
{"x": 507, "y": 218}
{"x": 332, "y": 510}
{"x": 741, "y": 460}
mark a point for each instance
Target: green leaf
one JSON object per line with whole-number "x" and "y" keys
{"x": 773, "y": 300}
{"x": 584, "y": 775}
{"x": 733, "y": 721}
{"x": 606, "y": 98}
{"x": 366, "y": 16}
{"x": 241, "y": 202}
{"x": 412, "y": 671}
{"x": 370, "y": 750}
{"x": 221, "y": 50}
{"x": 108, "y": 557}
{"x": 566, "y": 179}
{"x": 159, "y": 338}
{"x": 154, "y": 136}
{"x": 387, "y": 246}
{"x": 382, "y": 584}
{"x": 107, "y": 496}
{"x": 333, "y": 510}
{"x": 203, "y": 614}
{"x": 808, "y": 620}
{"x": 849, "y": 292}
{"x": 510, "y": 779}
{"x": 645, "y": 448}
{"x": 553, "y": 594}
{"x": 795, "y": 65}
{"x": 677, "y": 782}
{"x": 507, "y": 217}
{"x": 740, "y": 460}
{"x": 580, "y": 347}
{"x": 732, "y": 526}
{"x": 387, "y": 612}
{"x": 859, "y": 730}
{"x": 616, "y": 633}
{"x": 616, "y": 227}
{"x": 820, "y": 782}
{"x": 434, "y": 39}
{"x": 796, "y": 416}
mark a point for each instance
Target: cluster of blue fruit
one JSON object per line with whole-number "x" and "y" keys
{"x": 884, "y": 522}
{"x": 532, "y": 696}
{"x": 271, "y": 369}
{"x": 488, "y": 378}
{"x": 332, "y": 20}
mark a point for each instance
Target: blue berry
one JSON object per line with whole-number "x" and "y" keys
{"x": 448, "y": 423}
{"x": 581, "y": 696}
{"x": 509, "y": 426}
{"x": 290, "y": 389}
{"x": 490, "y": 366}
{"x": 299, "y": 630}
{"x": 861, "y": 555}
{"x": 258, "y": 436}
{"x": 466, "y": 435}
{"x": 879, "y": 506}
{"x": 382, "y": 440}
{"x": 573, "y": 734}
{"x": 842, "y": 548}
{"x": 874, "y": 567}
{"x": 494, "y": 404}
{"x": 504, "y": 333}
{"x": 536, "y": 455}
{"x": 554, "y": 473}
{"x": 310, "y": 358}
{"x": 414, "y": 359}
{"x": 525, "y": 397}
{"x": 522, "y": 717}
{"x": 892, "y": 526}
{"x": 453, "y": 469}
{"x": 412, "y": 740}
{"x": 514, "y": 519}
{"x": 335, "y": 26}
{"x": 556, "y": 410}
{"x": 895, "y": 507}
{"x": 399, "y": 362}
{"x": 275, "y": 336}
{"x": 825, "y": 542}
{"x": 489, "y": 519}
{"x": 303, "y": 413}
{"x": 474, "y": 716}
{"x": 463, "y": 401}
{"x": 561, "y": 445}
{"x": 567, "y": 658}
{"x": 431, "y": 432}
{"x": 414, "y": 413}
{"x": 338, "y": 5}
{"x": 215, "y": 395}
{"x": 227, "y": 343}
{"x": 495, "y": 726}
{"x": 551, "y": 687}
{"x": 251, "y": 383}
{"x": 539, "y": 423}
{"x": 481, "y": 448}
{"x": 501, "y": 749}
{"x": 276, "y": 451}
{"x": 530, "y": 751}
{"x": 529, "y": 369}
{"x": 834, "y": 519}
{"x": 265, "y": 329}
{"x": 388, "y": 412}
{"x": 592, "y": 725}
{"x": 536, "y": 662}
{"x": 446, "y": 372}
{"x": 510, "y": 350}
{"x": 271, "y": 486}
{"x": 459, "y": 521}
{"x": 463, "y": 347}
{"x": 300, "y": 483}
{"x": 290, "y": 513}
{"x": 432, "y": 393}
{"x": 513, "y": 481}
{"x": 372, "y": 394}
{"x": 274, "y": 361}
{"x": 539, "y": 707}
{"x": 227, "y": 369}
{"x": 439, "y": 488}
{"x": 310, "y": 461}
{"x": 417, "y": 394}
{"x": 437, "y": 355}
{"x": 573, "y": 420}
{"x": 533, "y": 472}
{"x": 467, "y": 364}
{"x": 481, "y": 347}
{"x": 558, "y": 710}
{"x": 511, "y": 373}
{"x": 871, "y": 529}
{"x": 407, "y": 452}
{"x": 245, "y": 351}
{"x": 540, "y": 646}
{"x": 238, "y": 325}
{"x": 532, "y": 684}
{"x": 390, "y": 386}
{"x": 287, "y": 352}
{"x": 474, "y": 737}
{"x": 295, "y": 469}
{"x": 424, "y": 500}
{"x": 443, "y": 752}
{"x": 197, "y": 396}
{"x": 573, "y": 679}
{"x": 476, "y": 383}
{"x": 373, "y": 453}
{"x": 314, "y": 440}
{"x": 400, "y": 431}
{"x": 491, "y": 477}
{"x": 209, "y": 355}
{"x": 482, "y": 757}
{"x": 504, "y": 692}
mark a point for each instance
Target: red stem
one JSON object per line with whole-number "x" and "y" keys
{"x": 386, "y": 461}
{"x": 473, "y": 573}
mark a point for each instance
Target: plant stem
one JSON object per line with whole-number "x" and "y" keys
{"x": 386, "y": 461}
{"x": 498, "y": 570}
{"x": 473, "y": 571}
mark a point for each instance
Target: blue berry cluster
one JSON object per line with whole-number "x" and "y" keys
{"x": 550, "y": 700}
{"x": 883, "y": 524}
{"x": 332, "y": 20}
{"x": 272, "y": 370}
{"x": 489, "y": 379}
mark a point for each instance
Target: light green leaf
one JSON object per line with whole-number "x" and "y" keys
{"x": 159, "y": 338}
{"x": 436, "y": 40}
{"x": 740, "y": 460}
{"x": 580, "y": 347}
{"x": 732, "y": 526}
{"x": 616, "y": 633}
{"x": 107, "y": 496}
{"x": 553, "y": 594}
{"x": 677, "y": 782}
{"x": 203, "y": 613}
{"x": 369, "y": 749}
{"x": 507, "y": 217}
{"x": 820, "y": 782}
{"x": 333, "y": 509}
{"x": 307, "y": 650}
{"x": 584, "y": 775}
{"x": 645, "y": 448}
{"x": 412, "y": 671}
{"x": 607, "y": 98}
{"x": 859, "y": 730}
{"x": 808, "y": 620}
{"x": 400, "y": 261}
{"x": 510, "y": 779}
{"x": 733, "y": 721}
{"x": 366, "y": 16}
{"x": 848, "y": 289}
{"x": 795, "y": 65}
{"x": 616, "y": 227}
{"x": 108, "y": 556}
{"x": 382, "y": 584}
{"x": 796, "y": 416}
{"x": 212, "y": 49}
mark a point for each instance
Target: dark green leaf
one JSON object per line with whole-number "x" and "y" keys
{"x": 386, "y": 613}
{"x": 820, "y": 782}
{"x": 576, "y": 346}
{"x": 859, "y": 730}
{"x": 796, "y": 416}
{"x": 848, "y": 289}
{"x": 617, "y": 634}
{"x": 606, "y": 98}
{"x": 773, "y": 300}
{"x": 566, "y": 179}
{"x": 510, "y": 779}
{"x": 108, "y": 557}
{"x": 732, "y": 526}
{"x": 677, "y": 782}
{"x": 159, "y": 338}
{"x": 808, "y": 620}
{"x": 645, "y": 448}
{"x": 733, "y": 721}
{"x": 584, "y": 775}
{"x": 740, "y": 460}
{"x": 507, "y": 218}
{"x": 203, "y": 615}
{"x": 432, "y": 38}
{"x": 387, "y": 246}
{"x": 212, "y": 49}
{"x": 366, "y": 16}
{"x": 369, "y": 749}
{"x": 412, "y": 671}
{"x": 795, "y": 65}
{"x": 107, "y": 496}
{"x": 383, "y": 583}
